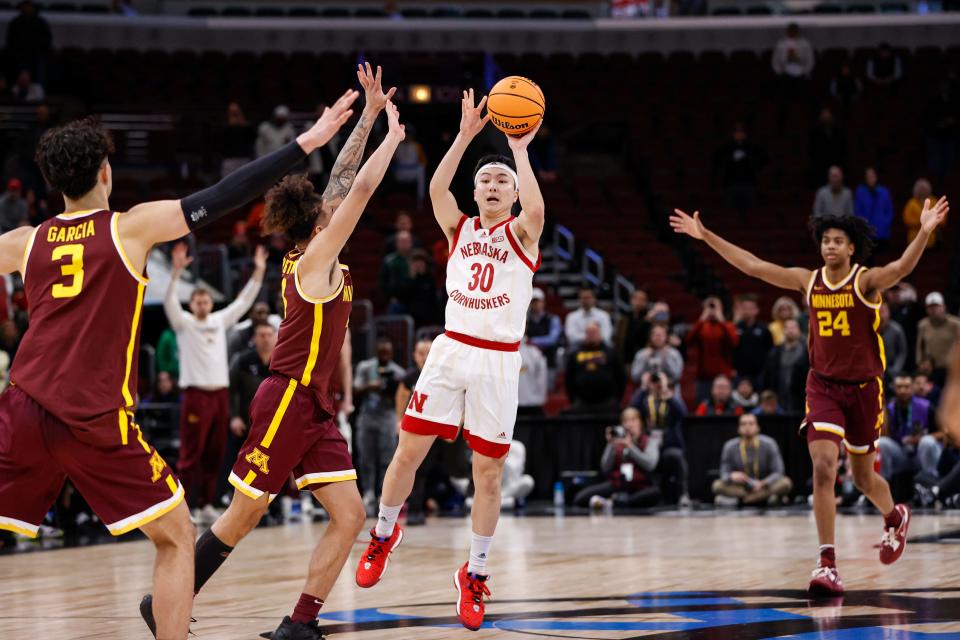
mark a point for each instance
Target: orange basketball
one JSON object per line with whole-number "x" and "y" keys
{"x": 516, "y": 105}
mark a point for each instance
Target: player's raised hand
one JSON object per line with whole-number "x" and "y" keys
{"x": 933, "y": 215}
{"x": 522, "y": 142}
{"x": 260, "y": 258}
{"x": 393, "y": 120}
{"x": 471, "y": 122}
{"x": 374, "y": 96}
{"x": 179, "y": 257}
{"x": 685, "y": 223}
{"x": 330, "y": 121}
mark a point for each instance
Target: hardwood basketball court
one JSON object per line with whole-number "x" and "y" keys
{"x": 698, "y": 575}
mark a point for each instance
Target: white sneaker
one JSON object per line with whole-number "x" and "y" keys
{"x": 209, "y": 514}
{"x": 196, "y": 516}
{"x": 306, "y": 504}
{"x": 685, "y": 502}
{"x": 725, "y": 501}
{"x": 599, "y": 502}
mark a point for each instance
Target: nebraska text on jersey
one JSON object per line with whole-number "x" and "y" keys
{"x": 499, "y": 254}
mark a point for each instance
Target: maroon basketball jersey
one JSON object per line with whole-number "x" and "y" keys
{"x": 312, "y": 332}
{"x": 844, "y": 340}
{"x": 79, "y": 357}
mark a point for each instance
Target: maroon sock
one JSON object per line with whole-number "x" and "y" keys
{"x": 828, "y": 557}
{"x": 307, "y": 609}
{"x": 893, "y": 519}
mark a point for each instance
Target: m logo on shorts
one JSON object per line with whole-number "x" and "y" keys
{"x": 157, "y": 464}
{"x": 416, "y": 401}
{"x": 258, "y": 459}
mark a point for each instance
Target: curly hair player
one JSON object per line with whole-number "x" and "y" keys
{"x": 473, "y": 369}
{"x": 69, "y": 409}
{"x": 844, "y": 386}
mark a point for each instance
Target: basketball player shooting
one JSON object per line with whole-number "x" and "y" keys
{"x": 847, "y": 360}
{"x": 472, "y": 372}
{"x": 69, "y": 409}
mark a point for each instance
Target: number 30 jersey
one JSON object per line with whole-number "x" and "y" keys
{"x": 489, "y": 282}
{"x": 844, "y": 340}
{"x": 78, "y": 359}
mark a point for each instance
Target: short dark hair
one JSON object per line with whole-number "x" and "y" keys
{"x": 858, "y": 230}
{"x": 70, "y": 156}
{"x": 292, "y": 207}
{"x": 769, "y": 394}
{"x": 260, "y": 325}
{"x": 494, "y": 157}
{"x": 746, "y": 297}
{"x": 200, "y": 291}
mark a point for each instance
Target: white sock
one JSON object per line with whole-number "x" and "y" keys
{"x": 479, "y": 550}
{"x": 387, "y": 520}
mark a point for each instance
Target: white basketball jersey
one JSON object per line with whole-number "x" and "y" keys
{"x": 489, "y": 282}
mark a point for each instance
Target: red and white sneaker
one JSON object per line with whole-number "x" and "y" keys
{"x": 374, "y": 562}
{"x": 826, "y": 582}
{"x": 894, "y": 540}
{"x": 470, "y": 592}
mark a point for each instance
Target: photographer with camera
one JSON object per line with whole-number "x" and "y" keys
{"x": 628, "y": 461}
{"x": 662, "y": 412}
{"x": 715, "y": 340}
{"x": 657, "y": 356}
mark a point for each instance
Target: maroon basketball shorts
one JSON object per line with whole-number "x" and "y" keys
{"x": 121, "y": 476}
{"x": 847, "y": 413}
{"x": 289, "y": 432}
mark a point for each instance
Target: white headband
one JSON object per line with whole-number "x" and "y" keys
{"x": 502, "y": 167}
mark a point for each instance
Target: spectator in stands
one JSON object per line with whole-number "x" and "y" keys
{"x": 715, "y": 340}
{"x": 751, "y": 468}
{"x": 409, "y": 381}
{"x": 941, "y": 128}
{"x": 410, "y": 165}
{"x": 418, "y": 294}
{"x": 168, "y": 354}
{"x": 29, "y": 41}
{"x": 396, "y": 271}
{"x": 164, "y": 389}
{"x": 873, "y": 203}
{"x": 9, "y": 338}
{"x": 736, "y": 165}
{"x": 827, "y": 146}
{"x": 906, "y": 309}
{"x": 37, "y": 209}
{"x": 274, "y": 133}
{"x": 403, "y": 222}
{"x": 576, "y": 321}
{"x": 793, "y": 62}
{"x": 884, "y": 68}
{"x": 375, "y": 386}
{"x": 204, "y": 378}
{"x": 321, "y": 161}
{"x": 26, "y": 91}
{"x": 663, "y": 412}
{"x": 595, "y": 378}
{"x": 13, "y": 206}
{"x": 929, "y": 490}
{"x": 237, "y": 140}
{"x": 786, "y": 369}
{"x": 628, "y": 462}
{"x": 833, "y": 198}
{"x": 543, "y": 154}
{"x": 657, "y": 356}
{"x": 240, "y": 337}
{"x": 754, "y": 341}
{"x": 532, "y": 390}
{"x": 720, "y": 402}
{"x": 894, "y": 344}
{"x": 416, "y": 503}
{"x": 936, "y": 335}
{"x": 543, "y": 328}
{"x": 914, "y": 207}
{"x": 845, "y": 88}
{"x": 924, "y": 387}
{"x": 907, "y": 444}
{"x": 769, "y": 404}
{"x": 745, "y": 396}
{"x": 633, "y": 328}
{"x": 784, "y": 308}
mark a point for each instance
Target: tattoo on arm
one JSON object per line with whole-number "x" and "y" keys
{"x": 345, "y": 169}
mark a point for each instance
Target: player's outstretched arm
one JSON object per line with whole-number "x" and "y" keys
{"x": 326, "y": 245}
{"x": 445, "y": 208}
{"x": 794, "y": 278}
{"x": 345, "y": 168}
{"x": 13, "y": 249}
{"x": 530, "y": 221}
{"x": 882, "y": 278}
{"x": 153, "y": 222}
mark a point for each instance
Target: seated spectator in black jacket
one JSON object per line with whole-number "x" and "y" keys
{"x": 595, "y": 377}
{"x": 628, "y": 461}
{"x": 751, "y": 467}
{"x": 418, "y": 293}
{"x": 787, "y": 367}
{"x": 164, "y": 389}
{"x": 633, "y": 328}
{"x": 663, "y": 413}
{"x": 755, "y": 343}
{"x": 769, "y": 405}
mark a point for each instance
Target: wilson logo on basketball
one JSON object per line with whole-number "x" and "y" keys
{"x": 416, "y": 401}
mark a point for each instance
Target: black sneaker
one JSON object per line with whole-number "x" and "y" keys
{"x": 146, "y": 610}
{"x": 923, "y": 496}
{"x": 290, "y": 630}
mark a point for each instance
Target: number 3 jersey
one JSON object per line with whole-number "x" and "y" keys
{"x": 78, "y": 359}
{"x": 845, "y": 343}
{"x": 489, "y": 282}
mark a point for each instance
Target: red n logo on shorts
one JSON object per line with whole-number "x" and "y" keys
{"x": 416, "y": 401}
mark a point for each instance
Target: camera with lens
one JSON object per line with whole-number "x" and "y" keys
{"x": 619, "y": 432}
